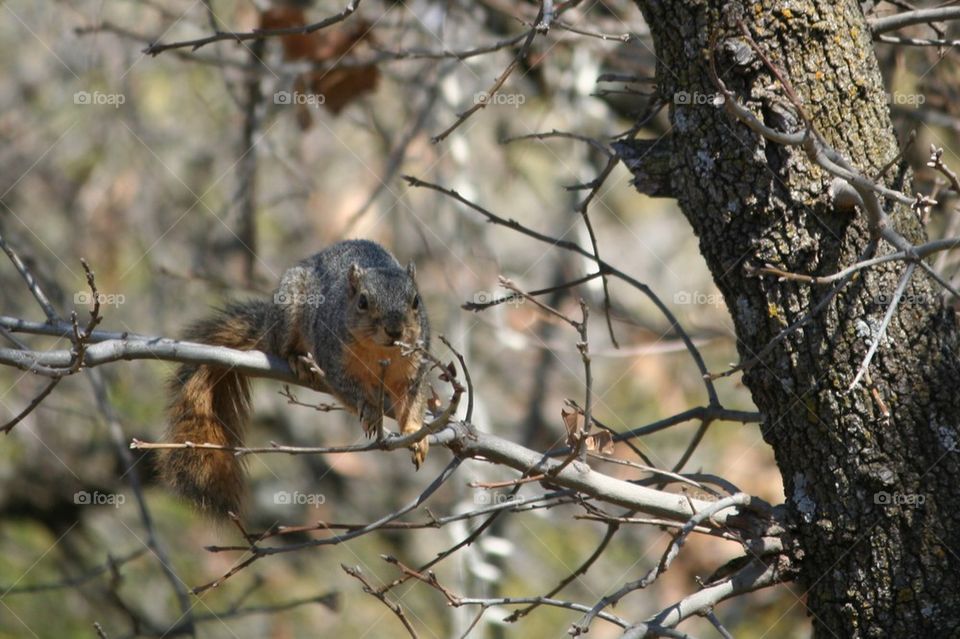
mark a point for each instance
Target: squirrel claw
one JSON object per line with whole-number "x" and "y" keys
{"x": 305, "y": 368}
{"x": 371, "y": 421}
{"x": 419, "y": 452}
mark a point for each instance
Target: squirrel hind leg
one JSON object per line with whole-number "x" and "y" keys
{"x": 411, "y": 421}
{"x": 419, "y": 452}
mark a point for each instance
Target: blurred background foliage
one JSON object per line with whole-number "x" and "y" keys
{"x": 186, "y": 179}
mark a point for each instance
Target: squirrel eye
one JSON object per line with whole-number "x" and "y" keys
{"x": 362, "y": 302}
{"x": 416, "y": 302}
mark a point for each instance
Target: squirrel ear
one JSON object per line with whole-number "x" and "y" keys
{"x": 354, "y": 276}
{"x": 412, "y": 270}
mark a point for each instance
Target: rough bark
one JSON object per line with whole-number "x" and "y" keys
{"x": 872, "y": 567}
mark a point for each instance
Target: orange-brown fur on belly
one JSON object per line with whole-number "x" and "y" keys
{"x": 362, "y": 361}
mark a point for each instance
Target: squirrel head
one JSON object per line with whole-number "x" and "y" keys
{"x": 384, "y": 304}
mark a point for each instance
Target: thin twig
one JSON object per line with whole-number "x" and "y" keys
{"x": 492, "y": 91}
{"x": 612, "y": 528}
{"x": 394, "y": 607}
{"x": 603, "y": 266}
{"x": 256, "y": 34}
{"x": 882, "y": 330}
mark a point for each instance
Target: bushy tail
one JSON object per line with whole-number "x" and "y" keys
{"x": 211, "y": 405}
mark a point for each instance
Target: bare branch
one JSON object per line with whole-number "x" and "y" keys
{"x": 31, "y": 281}
{"x": 882, "y": 329}
{"x": 754, "y": 576}
{"x": 909, "y": 18}
{"x": 603, "y": 266}
{"x": 394, "y": 607}
{"x": 256, "y": 34}
{"x": 612, "y": 528}
{"x": 740, "y": 499}
{"x": 6, "y": 428}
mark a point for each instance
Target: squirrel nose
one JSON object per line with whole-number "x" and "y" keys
{"x": 393, "y": 324}
{"x": 394, "y": 332}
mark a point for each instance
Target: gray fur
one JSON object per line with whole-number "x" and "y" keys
{"x": 319, "y": 290}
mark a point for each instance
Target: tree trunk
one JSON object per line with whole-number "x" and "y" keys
{"x": 872, "y": 500}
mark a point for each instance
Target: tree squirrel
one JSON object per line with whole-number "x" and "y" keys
{"x": 347, "y": 306}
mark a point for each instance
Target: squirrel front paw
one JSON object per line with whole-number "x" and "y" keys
{"x": 371, "y": 419}
{"x": 305, "y": 367}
